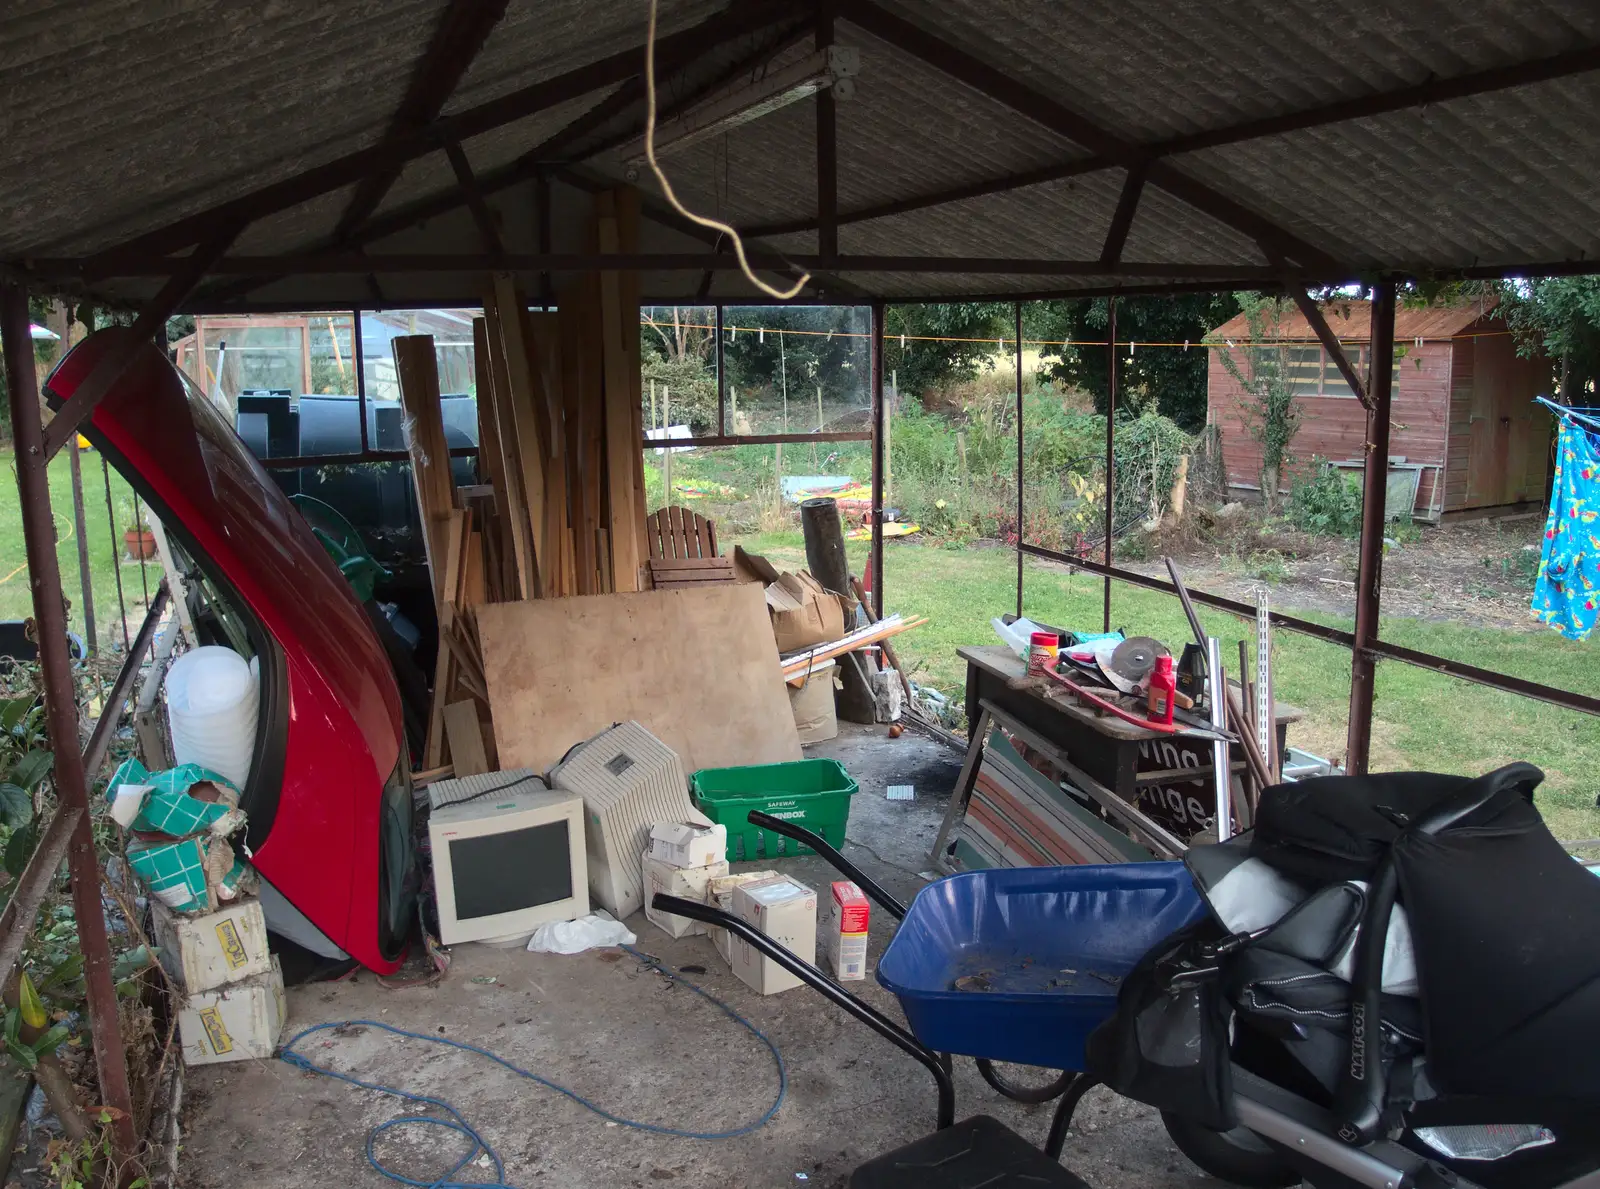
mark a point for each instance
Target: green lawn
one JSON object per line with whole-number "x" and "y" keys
{"x": 105, "y": 547}
{"x": 1423, "y": 720}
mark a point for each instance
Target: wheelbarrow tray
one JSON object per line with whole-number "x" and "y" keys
{"x": 1021, "y": 964}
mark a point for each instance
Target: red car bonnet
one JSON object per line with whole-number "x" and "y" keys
{"x": 340, "y": 716}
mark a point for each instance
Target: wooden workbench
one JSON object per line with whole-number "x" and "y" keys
{"x": 1148, "y": 770}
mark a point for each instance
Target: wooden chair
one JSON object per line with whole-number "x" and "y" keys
{"x": 683, "y": 549}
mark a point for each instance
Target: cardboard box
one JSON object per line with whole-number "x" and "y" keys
{"x": 238, "y": 1022}
{"x": 687, "y": 844}
{"x": 804, "y": 613}
{"x": 786, "y": 911}
{"x": 687, "y": 882}
{"x": 719, "y": 894}
{"x": 204, "y": 952}
{"x": 845, "y": 918}
{"x": 812, "y": 704}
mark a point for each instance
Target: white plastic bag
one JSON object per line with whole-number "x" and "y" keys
{"x": 595, "y": 931}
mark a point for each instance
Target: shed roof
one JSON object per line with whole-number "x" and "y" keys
{"x": 1433, "y": 137}
{"x": 1352, "y": 322}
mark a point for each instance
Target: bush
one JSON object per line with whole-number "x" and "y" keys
{"x": 1327, "y": 502}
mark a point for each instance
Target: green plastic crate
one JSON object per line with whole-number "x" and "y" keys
{"x": 811, "y": 793}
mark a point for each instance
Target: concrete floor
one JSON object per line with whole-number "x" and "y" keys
{"x": 627, "y": 1039}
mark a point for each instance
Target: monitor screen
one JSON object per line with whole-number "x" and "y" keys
{"x": 507, "y": 872}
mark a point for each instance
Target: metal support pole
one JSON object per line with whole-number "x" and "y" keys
{"x": 360, "y": 360}
{"x": 879, "y": 461}
{"x": 38, "y": 532}
{"x": 116, "y": 556}
{"x": 1111, "y": 426}
{"x": 80, "y": 528}
{"x": 722, "y": 381}
{"x": 1016, "y": 310}
{"x": 1369, "y": 570}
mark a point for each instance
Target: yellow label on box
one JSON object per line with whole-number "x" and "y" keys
{"x": 216, "y": 1033}
{"x": 233, "y": 951}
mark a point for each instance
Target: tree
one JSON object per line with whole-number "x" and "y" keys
{"x": 1169, "y": 379}
{"x": 945, "y": 343}
{"x": 679, "y": 356}
{"x": 1271, "y": 412}
{"x": 1559, "y": 316}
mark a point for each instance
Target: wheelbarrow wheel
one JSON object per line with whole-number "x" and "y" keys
{"x": 1019, "y": 1091}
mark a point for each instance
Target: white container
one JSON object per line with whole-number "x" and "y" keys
{"x": 786, "y": 911}
{"x": 205, "y": 952}
{"x": 239, "y": 1022}
{"x": 688, "y": 883}
{"x": 684, "y": 844}
{"x": 212, "y": 702}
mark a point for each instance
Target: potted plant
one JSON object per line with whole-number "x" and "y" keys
{"x": 138, "y": 542}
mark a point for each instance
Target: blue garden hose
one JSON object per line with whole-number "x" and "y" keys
{"x": 456, "y": 1122}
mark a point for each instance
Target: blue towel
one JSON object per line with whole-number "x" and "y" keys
{"x": 1566, "y": 595}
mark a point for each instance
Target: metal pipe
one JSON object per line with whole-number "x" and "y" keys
{"x": 111, "y": 708}
{"x": 28, "y": 893}
{"x": 38, "y": 533}
{"x": 80, "y": 528}
{"x": 1369, "y": 564}
{"x": 1111, "y": 429}
{"x": 722, "y": 381}
{"x": 358, "y": 354}
{"x": 826, "y": 849}
{"x": 1061, "y": 1121}
{"x": 116, "y": 558}
{"x": 880, "y": 459}
{"x": 1016, "y": 309}
{"x": 820, "y": 982}
{"x": 1221, "y": 769}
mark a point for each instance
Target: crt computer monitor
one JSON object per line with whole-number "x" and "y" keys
{"x": 506, "y": 862}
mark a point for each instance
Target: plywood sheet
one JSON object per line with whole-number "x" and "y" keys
{"x": 698, "y": 668}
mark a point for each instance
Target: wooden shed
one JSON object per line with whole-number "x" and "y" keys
{"x": 1463, "y": 415}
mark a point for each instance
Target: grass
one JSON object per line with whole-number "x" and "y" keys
{"x": 1422, "y": 720}
{"x": 105, "y": 548}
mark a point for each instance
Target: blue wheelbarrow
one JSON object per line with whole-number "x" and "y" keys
{"x": 1005, "y": 965}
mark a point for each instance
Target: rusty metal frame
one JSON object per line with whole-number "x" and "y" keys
{"x": 94, "y": 752}
{"x": 60, "y": 699}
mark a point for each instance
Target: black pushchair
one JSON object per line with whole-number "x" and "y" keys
{"x": 1398, "y": 985}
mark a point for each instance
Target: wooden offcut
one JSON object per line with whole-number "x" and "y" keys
{"x": 698, "y": 667}
{"x": 465, "y": 736}
{"x": 418, "y": 372}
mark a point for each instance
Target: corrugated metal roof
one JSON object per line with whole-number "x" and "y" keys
{"x": 119, "y": 116}
{"x": 1351, "y": 321}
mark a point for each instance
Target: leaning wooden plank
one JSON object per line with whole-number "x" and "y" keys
{"x": 488, "y": 417}
{"x": 622, "y": 442}
{"x": 628, "y": 204}
{"x": 520, "y": 431}
{"x": 522, "y": 570}
{"x": 545, "y": 342}
{"x": 465, "y": 735}
{"x": 418, "y": 372}
{"x": 560, "y": 670}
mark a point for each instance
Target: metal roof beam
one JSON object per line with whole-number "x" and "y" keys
{"x": 1331, "y": 344}
{"x": 351, "y": 262}
{"x": 476, "y": 203}
{"x": 461, "y": 34}
{"x": 1122, "y": 217}
{"x": 744, "y": 17}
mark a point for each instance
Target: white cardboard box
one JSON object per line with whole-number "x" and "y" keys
{"x": 684, "y": 844}
{"x": 687, "y": 882}
{"x": 786, "y": 911}
{"x": 238, "y": 1022}
{"x": 719, "y": 894}
{"x": 845, "y": 917}
{"x": 203, "y": 952}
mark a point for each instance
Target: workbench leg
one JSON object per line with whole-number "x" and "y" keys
{"x": 962, "y": 793}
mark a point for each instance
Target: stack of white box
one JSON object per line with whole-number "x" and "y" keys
{"x": 233, "y": 1005}
{"x": 683, "y": 859}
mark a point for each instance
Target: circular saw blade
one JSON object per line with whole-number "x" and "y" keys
{"x": 1132, "y": 662}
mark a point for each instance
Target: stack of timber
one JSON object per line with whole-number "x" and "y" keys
{"x": 560, "y": 507}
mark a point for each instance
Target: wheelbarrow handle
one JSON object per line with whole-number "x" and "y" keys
{"x": 841, "y": 864}
{"x": 818, "y": 981}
